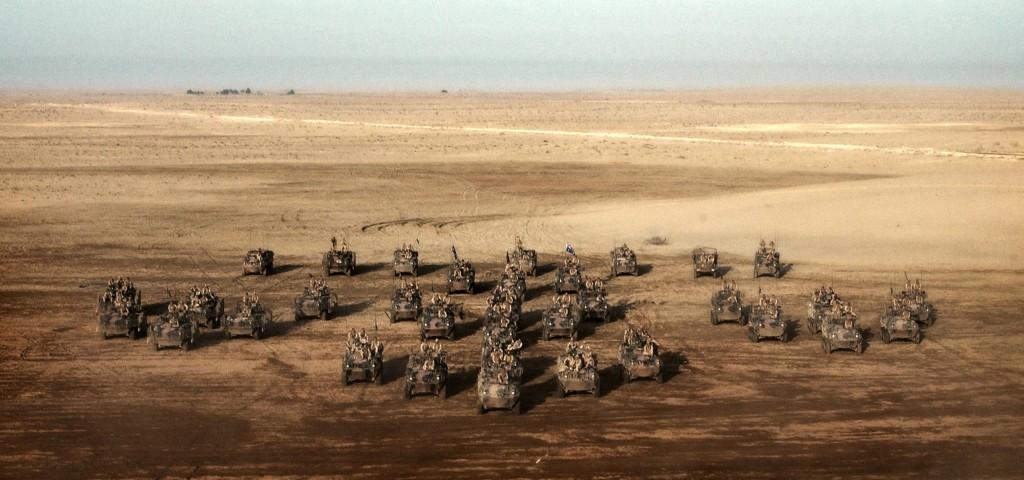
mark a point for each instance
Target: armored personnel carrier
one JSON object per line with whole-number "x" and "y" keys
{"x": 498, "y": 389}
{"x": 174, "y": 328}
{"x": 592, "y": 300}
{"x": 562, "y": 318}
{"x": 766, "y": 261}
{"x": 727, "y": 305}
{"x": 766, "y": 321}
{"x": 914, "y": 299}
{"x": 461, "y": 275}
{"x": 502, "y": 311}
{"x": 842, "y": 335}
{"x": 438, "y": 318}
{"x": 524, "y": 259}
{"x": 406, "y": 303}
{"x": 205, "y": 308}
{"x": 569, "y": 278}
{"x": 119, "y": 310}
{"x": 624, "y": 261}
{"x": 820, "y": 310}
{"x": 315, "y": 301}
{"x": 513, "y": 279}
{"x": 339, "y": 260}
{"x": 705, "y": 262}
{"x": 426, "y": 372}
{"x": 407, "y": 261}
{"x": 363, "y": 359}
{"x": 258, "y": 262}
{"x": 898, "y": 324}
{"x": 251, "y": 318}
{"x": 638, "y": 355}
{"x": 577, "y": 371}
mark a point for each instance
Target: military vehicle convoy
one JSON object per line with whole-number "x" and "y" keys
{"x": 119, "y": 310}
{"x": 705, "y": 262}
{"x": 426, "y": 372}
{"x": 406, "y": 261}
{"x": 624, "y": 261}
{"x": 638, "y": 355}
{"x": 437, "y": 320}
{"x": 569, "y": 277}
{"x": 577, "y": 371}
{"x": 592, "y": 300}
{"x": 897, "y": 323}
{"x": 251, "y": 318}
{"x": 174, "y": 328}
{"x": 767, "y": 260}
{"x": 461, "y": 275}
{"x": 406, "y": 303}
{"x": 315, "y": 301}
{"x": 727, "y": 305}
{"x": 204, "y": 307}
{"x": 363, "y": 359}
{"x": 562, "y": 318}
{"x": 339, "y": 260}
{"x": 524, "y": 259}
{"x": 766, "y": 321}
{"x": 258, "y": 262}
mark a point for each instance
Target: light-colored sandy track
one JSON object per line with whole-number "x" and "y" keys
{"x": 914, "y": 151}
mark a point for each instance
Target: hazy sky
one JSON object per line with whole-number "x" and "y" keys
{"x": 957, "y": 35}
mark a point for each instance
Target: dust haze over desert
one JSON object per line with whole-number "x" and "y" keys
{"x": 872, "y": 142}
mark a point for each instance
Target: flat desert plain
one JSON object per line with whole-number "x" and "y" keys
{"x": 857, "y": 186}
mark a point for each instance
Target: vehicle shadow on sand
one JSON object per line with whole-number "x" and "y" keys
{"x": 673, "y": 364}
{"x": 394, "y": 368}
{"x": 461, "y": 379}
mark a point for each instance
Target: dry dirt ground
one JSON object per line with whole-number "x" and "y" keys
{"x": 857, "y": 185}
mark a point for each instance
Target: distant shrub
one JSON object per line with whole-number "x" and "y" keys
{"x": 657, "y": 240}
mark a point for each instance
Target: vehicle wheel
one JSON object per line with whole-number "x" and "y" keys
{"x": 479, "y": 409}
{"x": 518, "y": 408}
{"x": 885, "y": 336}
{"x": 574, "y": 336}
{"x": 298, "y": 315}
{"x": 257, "y": 333}
{"x": 185, "y": 345}
{"x": 442, "y": 393}
{"x": 785, "y": 336}
{"x": 344, "y": 378}
{"x": 132, "y": 333}
{"x": 917, "y": 337}
{"x": 597, "y": 389}
{"x": 379, "y": 378}
{"x": 626, "y": 377}
{"x": 407, "y": 392}
{"x": 323, "y": 315}
{"x": 156, "y": 346}
{"x": 714, "y": 318}
{"x": 660, "y": 377}
{"x": 560, "y": 392}
{"x": 743, "y": 321}
{"x": 350, "y": 271}
{"x": 451, "y": 335}
{"x": 860, "y": 348}
{"x": 810, "y": 326}
{"x": 227, "y": 334}
{"x": 545, "y": 335}
{"x": 414, "y": 272}
{"x": 824, "y": 346}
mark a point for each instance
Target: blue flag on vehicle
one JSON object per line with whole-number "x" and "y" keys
{"x": 569, "y": 249}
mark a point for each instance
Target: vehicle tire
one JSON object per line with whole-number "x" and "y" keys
{"x": 156, "y": 346}
{"x": 407, "y": 392}
{"x": 185, "y": 345}
{"x": 323, "y": 315}
{"x": 917, "y": 337}
{"x": 344, "y": 377}
{"x": 714, "y": 318}
{"x": 518, "y": 407}
{"x": 257, "y": 333}
{"x": 298, "y": 315}
{"x": 660, "y": 377}
{"x": 574, "y": 335}
{"x": 227, "y": 334}
{"x": 824, "y": 346}
{"x": 754, "y": 337}
{"x": 451, "y": 335}
{"x": 545, "y": 335}
{"x": 442, "y": 393}
{"x": 785, "y": 336}
{"x": 597, "y": 388}
{"x": 349, "y": 271}
{"x": 810, "y": 326}
{"x": 860, "y": 348}
{"x": 560, "y": 392}
{"x": 885, "y": 336}
{"x": 132, "y": 334}
{"x": 379, "y": 378}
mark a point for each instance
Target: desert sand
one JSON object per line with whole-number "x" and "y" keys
{"x": 857, "y": 186}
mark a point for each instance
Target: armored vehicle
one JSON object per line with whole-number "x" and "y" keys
{"x": 338, "y": 260}
{"x": 824, "y": 304}
{"x": 767, "y": 322}
{"x": 569, "y": 278}
{"x": 498, "y": 389}
{"x": 174, "y": 328}
{"x": 914, "y": 299}
{"x": 898, "y": 324}
{"x": 592, "y": 300}
{"x": 204, "y": 307}
{"x": 577, "y": 371}
{"x": 315, "y": 301}
{"x": 842, "y": 336}
{"x": 624, "y": 261}
{"x": 438, "y": 318}
{"x": 525, "y": 260}
{"x": 363, "y": 359}
{"x": 727, "y": 305}
{"x": 766, "y": 261}
{"x": 119, "y": 310}
{"x": 705, "y": 262}
{"x": 502, "y": 312}
{"x": 426, "y": 372}
{"x": 513, "y": 279}
{"x": 406, "y": 303}
{"x": 407, "y": 261}
{"x": 562, "y": 318}
{"x": 258, "y": 262}
{"x": 638, "y": 355}
{"x": 251, "y": 318}
{"x": 461, "y": 275}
